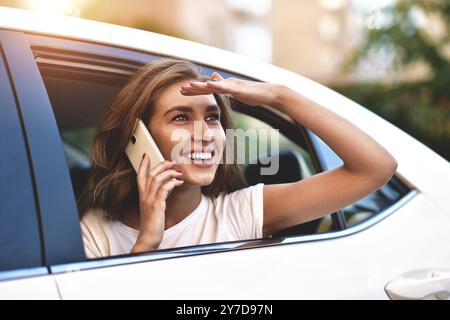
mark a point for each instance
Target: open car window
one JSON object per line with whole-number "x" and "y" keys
{"x": 79, "y": 93}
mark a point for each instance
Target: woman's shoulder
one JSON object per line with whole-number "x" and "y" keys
{"x": 239, "y": 201}
{"x": 254, "y": 192}
{"x": 93, "y": 229}
{"x": 94, "y": 216}
{"x": 243, "y": 211}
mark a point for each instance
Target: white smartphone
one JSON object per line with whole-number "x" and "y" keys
{"x": 142, "y": 142}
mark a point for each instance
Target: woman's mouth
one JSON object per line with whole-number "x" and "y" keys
{"x": 201, "y": 159}
{"x": 201, "y": 155}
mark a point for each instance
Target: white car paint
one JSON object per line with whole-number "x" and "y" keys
{"x": 355, "y": 266}
{"x": 41, "y": 287}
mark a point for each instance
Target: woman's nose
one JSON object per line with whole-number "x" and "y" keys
{"x": 202, "y": 131}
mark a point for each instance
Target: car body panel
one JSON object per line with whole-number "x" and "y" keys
{"x": 357, "y": 266}
{"x": 43, "y": 287}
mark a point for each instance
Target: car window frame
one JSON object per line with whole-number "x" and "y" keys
{"x": 40, "y": 44}
{"x": 54, "y": 197}
{"x": 23, "y": 255}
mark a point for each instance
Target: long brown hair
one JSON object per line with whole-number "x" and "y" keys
{"x": 112, "y": 183}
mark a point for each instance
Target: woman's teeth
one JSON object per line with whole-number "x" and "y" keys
{"x": 201, "y": 156}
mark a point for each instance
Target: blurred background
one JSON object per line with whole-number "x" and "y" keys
{"x": 391, "y": 56}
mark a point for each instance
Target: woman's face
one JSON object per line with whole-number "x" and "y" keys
{"x": 187, "y": 129}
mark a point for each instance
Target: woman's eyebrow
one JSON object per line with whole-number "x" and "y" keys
{"x": 212, "y": 107}
{"x": 178, "y": 108}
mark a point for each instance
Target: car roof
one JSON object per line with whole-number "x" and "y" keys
{"x": 434, "y": 177}
{"x": 125, "y": 37}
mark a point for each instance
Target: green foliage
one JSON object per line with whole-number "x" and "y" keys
{"x": 420, "y": 107}
{"x": 411, "y": 108}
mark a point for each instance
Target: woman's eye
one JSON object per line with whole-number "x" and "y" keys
{"x": 180, "y": 117}
{"x": 214, "y": 117}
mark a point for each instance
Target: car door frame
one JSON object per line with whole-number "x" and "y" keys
{"x": 23, "y": 272}
{"x": 60, "y": 230}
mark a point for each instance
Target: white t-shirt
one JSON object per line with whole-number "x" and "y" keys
{"x": 229, "y": 217}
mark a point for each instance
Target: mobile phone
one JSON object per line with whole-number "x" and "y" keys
{"x": 142, "y": 142}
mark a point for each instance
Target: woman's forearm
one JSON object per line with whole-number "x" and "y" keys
{"x": 359, "y": 152}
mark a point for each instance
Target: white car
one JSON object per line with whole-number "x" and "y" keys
{"x": 57, "y": 74}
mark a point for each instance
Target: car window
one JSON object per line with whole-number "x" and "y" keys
{"x": 79, "y": 96}
{"x": 80, "y": 92}
{"x": 19, "y": 230}
{"x": 373, "y": 204}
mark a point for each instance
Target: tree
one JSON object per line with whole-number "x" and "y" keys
{"x": 414, "y": 32}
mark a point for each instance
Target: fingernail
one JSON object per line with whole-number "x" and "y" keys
{"x": 143, "y": 156}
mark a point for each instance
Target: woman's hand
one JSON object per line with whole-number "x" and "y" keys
{"x": 251, "y": 93}
{"x": 154, "y": 187}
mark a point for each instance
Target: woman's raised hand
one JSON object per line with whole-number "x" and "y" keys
{"x": 249, "y": 92}
{"x": 154, "y": 187}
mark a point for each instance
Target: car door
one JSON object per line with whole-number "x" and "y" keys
{"x": 22, "y": 262}
{"x": 355, "y": 263}
{"x": 411, "y": 263}
{"x": 346, "y": 261}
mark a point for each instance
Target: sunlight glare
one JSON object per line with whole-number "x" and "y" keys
{"x": 61, "y": 7}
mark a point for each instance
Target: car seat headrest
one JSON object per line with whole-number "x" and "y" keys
{"x": 289, "y": 168}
